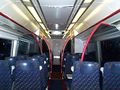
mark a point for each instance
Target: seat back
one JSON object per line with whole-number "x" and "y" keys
{"x": 5, "y": 76}
{"x": 111, "y": 76}
{"x": 21, "y": 57}
{"x": 27, "y": 76}
{"x": 85, "y": 76}
{"x": 42, "y": 67}
{"x": 11, "y": 60}
{"x": 69, "y": 62}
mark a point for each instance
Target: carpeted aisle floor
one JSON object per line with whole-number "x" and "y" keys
{"x": 56, "y": 82}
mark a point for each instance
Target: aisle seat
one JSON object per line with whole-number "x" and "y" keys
{"x": 27, "y": 76}
{"x": 85, "y": 76}
{"x": 111, "y": 76}
{"x": 5, "y": 76}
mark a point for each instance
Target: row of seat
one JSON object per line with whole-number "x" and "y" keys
{"x": 28, "y": 73}
{"x": 89, "y": 76}
{"x": 68, "y": 62}
{"x": 86, "y": 76}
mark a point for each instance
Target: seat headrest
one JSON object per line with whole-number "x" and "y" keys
{"x": 12, "y": 60}
{"x": 26, "y": 65}
{"x": 86, "y": 67}
{"x": 114, "y": 67}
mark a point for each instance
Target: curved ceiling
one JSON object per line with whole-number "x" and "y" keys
{"x": 67, "y": 16}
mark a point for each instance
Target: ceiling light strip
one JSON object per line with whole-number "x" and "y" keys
{"x": 26, "y": 0}
{"x": 80, "y": 12}
{"x": 88, "y": 1}
{"x": 71, "y": 25}
{"x": 42, "y": 25}
{"x": 34, "y": 13}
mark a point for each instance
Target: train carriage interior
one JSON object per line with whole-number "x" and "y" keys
{"x": 59, "y": 44}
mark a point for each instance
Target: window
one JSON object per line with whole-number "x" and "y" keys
{"x": 23, "y": 48}
{"x": 44, "y": 47}
{"x": 68, "y": 47}
{"x": 5, "y": 48}
{"x": 110, "y": 50}
{"x": 91, "y": 52}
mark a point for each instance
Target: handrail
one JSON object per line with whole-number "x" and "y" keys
{"x": 63, "y": 49}
{"x": 96, "y": 26}
{"x": 50, "y": 54}
{"x": 89, "y": 38}
{"x": 7, "y": 17}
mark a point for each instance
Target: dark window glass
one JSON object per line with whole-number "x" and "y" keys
{"x": 68, "y": 47}
{"x": 44, "y": 47}
{"x": 91, "y": 52}
{"x": 23, "y": 48}
{"x": 5, "y": 48}
{"x": 110, "y": 50}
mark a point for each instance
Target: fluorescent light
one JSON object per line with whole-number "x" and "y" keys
{"x": 37, "y": 32}
{"x": 79, "y": 13}
{"x": 75, "y": 33}
{"x": 63, "y": 36}
{"x": 88, "y": 1}
{"x": 56, "y": 33}
{"x": 97, "y": 9}
{"x": 42, "y": 25}
{"x": 26, "y": 0}
{"x": 71, "y": 25}
{"x": 66, "y": 32}
{"x": 34, "y": 13}
{"x": 57, "y": 57}
{"x": 49, "y": 36}
{"x": 20, "y": 12}
{"x": 34, "y": 25}
{"x": 78, "y": 27}
{"x": 56, "y": 26}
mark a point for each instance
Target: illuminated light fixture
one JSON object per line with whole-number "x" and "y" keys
{"x": 66, "y": 32}
{"x": 56, "y": 33}
{"x": 71, "y": 25}
{"x": 78, "y": 27}
{"x": 37, "y": 32}
{"x": 79, "y": 13}
{"x": 34, "y": 13}
{"x": 34, "y": 25}
{"x": 75, "y": 33}
{"x": 49, "y": 36}
{"x": 26, "y": 0}
{"x": 56, "y": 26}
{"x": 42, "y": 25}
{"x": 20, "y": 12}
{"x": 88, "y": 1}
{"x": 63, "y": 36}
{"x": 95, "y": 11}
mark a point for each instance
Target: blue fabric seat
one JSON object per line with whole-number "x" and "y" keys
{"x": 85, "y": 76}
{"x": 11, "y": 60}
{"x": 27, "y": 76}
{"x": 5, "y": 76}
{"x": 111, "y": 76}
{"x": 44, "y": 71}
{"x": 69, "y": 62}
{"x": 21, "y": 57}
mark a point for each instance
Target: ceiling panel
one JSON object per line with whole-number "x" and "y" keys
{"x": 57, "y": 2}
{"x": 56, "y": 12}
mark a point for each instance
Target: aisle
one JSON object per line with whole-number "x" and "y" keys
{"x": 56, "y": 82}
